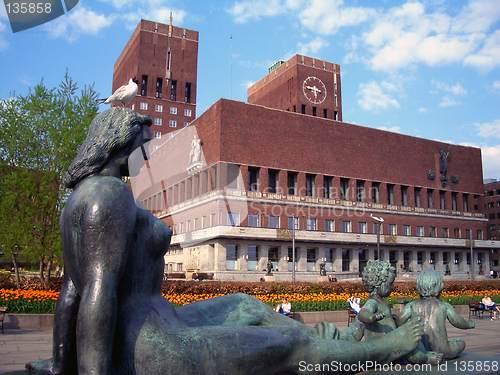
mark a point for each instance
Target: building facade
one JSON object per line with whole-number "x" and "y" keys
{"x": 492, "y": 211}
{"x": 271, "y": 176}
{"x": 164, "y": 58}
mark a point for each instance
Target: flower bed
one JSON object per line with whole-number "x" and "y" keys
{"x": 43, "y": 302}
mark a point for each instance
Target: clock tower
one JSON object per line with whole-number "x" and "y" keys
{"x": 302, "y": 84}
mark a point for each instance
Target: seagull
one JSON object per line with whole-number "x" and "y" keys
{"x": 124, "y": 94}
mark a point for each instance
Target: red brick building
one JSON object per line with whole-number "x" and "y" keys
{"x": 164, "y": 58}
{"x": 492, "y": 211}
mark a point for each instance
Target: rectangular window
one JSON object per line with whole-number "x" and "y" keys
{"x": 187, "y": 96}
{"x": 157, "y": 121}
{"x": 327, "y": 187}
{"x": 360, "y": 190}
{"x": 479, "y": 234}
{"x": 232, "y": 219}
{"x": 172, "y": 123}
{"x": 292, "y": 221}
{"x": 346, "y": 227}
{"x": 253, "y": 258}
{"x": 186, "y": 124}
{"x": 315, "y": 109}
{"x": 173, "y": 110}
{"x": 406, "y": 230}
{"x": 159, "y": 83}
{"x": 456, "y": 232}
{"x": 303, "y": 109}
{"x": 392, "y": 229}
{"x": 404, "y": 195}
{"x": 311, "y": 224}
{"x": 311, "y": 259}
{"x": 273, "y": 221}
{"x": 390, "y": 194}
{"x": 231, "y": 257}
{"x": 466, "y": 202}
{"x": 375, "y": 192}
{"x": 445, "y": 232}
{"x": 173, "y": 91}
{"x": 143, "y": 106}
{"x": 253, "y": 179}
{"x": 157, "y": 135}
{"x": 442, "y": 200}
{"x": 144, "y": 86}
{"x": 420, "y": 231}
{"x": 418, "y": 203}
{"x": 272, "y": 181}
{"x": 253, "y": 221}
{"x": 292, "y": 183}
{"x": 430, "y": 198}
{"x": 188, "y": 113}
{"x": 344, "y": 189}
{"x": 454, "y": 201}
{"x": 467, "y": 234}
{"x": 346, "y": 260}
{"x": 310, "y": 185}
{"x": 432, "y": 231}
{"x": 325, "y": 113}
{"x": 362, "y": 228}
{"x": 158, "y": 108}
{"x": 329, "y": 225}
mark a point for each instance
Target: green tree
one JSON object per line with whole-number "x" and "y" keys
{"x": 39, "y": 136}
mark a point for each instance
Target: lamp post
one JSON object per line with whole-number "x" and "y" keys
{"x": 293, "y": 247}
{"x": 471, "y": 256}
{"x": 379, "y": 221}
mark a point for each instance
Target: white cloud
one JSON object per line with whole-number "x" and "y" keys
{"x": 4, "y": 44}
{"x": 496, "y": 85}
{"x": 77, "y": 22}
{"x": 255, "y": 9}
{"x": 491, "y": 166}
{"x": 158, "y": 14}
{"x": 455, "y": 90}
{"x": 394, "y": 129}
{"x": 489, "y": 56}
{"x": 488, "y": 130}
{"x": 312, "y": 47}
{"x": 328, "y": 16}
{"x": 422, "y": 110}
{"x": 448, "y": 102}
{"x": 247, "y": 84}
{"x": 477, "y": 16}
{"x": 372, "y": 97}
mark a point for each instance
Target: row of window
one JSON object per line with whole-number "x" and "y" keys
{"x": 252, "y": 259}
{"x": 171, "y": 123}
{"x": 363, "y": 192}
{"x": 159, "y": 89}
{"x": 345, "y": 226}
{"x": 159, "y": 108}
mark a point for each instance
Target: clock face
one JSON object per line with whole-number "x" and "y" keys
{"x": 314, "y": 90}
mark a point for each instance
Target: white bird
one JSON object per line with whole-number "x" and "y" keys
{"x": 124, "y": 94}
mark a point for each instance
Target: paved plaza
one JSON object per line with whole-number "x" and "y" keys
{"x": 20, "y": 346}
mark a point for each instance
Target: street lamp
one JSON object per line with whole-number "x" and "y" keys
{"x": 379, "y": 221}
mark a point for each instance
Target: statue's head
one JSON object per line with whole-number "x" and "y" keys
{"x": 429, "y": 283}
{"x": 378, "y": 277}
{"x": 110, "y": 130}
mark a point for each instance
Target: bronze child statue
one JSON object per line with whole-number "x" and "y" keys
{"x": 433, "y": 313}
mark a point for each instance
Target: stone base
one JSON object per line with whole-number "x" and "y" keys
{"x": 470, "y": 364}
{"x": 269, "y": 278}
{"x": 322, "y": 279}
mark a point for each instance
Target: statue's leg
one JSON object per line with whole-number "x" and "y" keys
{"x": 455, "y": 347}
{"x": 64, "y": 337}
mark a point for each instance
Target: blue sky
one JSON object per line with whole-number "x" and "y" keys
{"x": 428, "y": 68}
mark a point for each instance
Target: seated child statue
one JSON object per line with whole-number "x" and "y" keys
{"x": 378, "y": 279}
{"x": 433, "y": 313}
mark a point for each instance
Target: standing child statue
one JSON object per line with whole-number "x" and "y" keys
{"x": 378, "y": 279}
{"x": 433, "y": 313}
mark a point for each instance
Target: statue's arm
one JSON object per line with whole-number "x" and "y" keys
{"x": 368, "y": 314}
{"x": 108, "y": 228}
{"x": 404, "y": 315}
{"x": 457, "y": 320}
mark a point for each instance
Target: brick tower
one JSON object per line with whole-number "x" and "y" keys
{"x": 164, "y": 59}
{"x": 303, "y": 85}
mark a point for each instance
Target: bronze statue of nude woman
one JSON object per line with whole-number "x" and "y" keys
{"x": 111, "y": 317}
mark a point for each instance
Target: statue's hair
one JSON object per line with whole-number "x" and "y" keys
{"x": 375, "y": 274}
{"x": 110, "y": 130}
{"x": 429, "y": 283}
